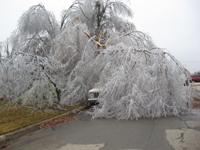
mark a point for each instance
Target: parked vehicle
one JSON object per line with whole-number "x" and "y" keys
{"x": 93, "y": 95}
{"x": 193, "y": 78}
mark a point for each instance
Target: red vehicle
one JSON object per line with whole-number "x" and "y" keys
{"x": 195, "y": 78}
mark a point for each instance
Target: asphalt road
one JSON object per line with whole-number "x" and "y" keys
{"x": 110, "y": 134}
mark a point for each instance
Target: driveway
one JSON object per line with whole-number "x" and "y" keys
{"x": 110, "y": 134}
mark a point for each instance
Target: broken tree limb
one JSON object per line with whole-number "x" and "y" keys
{"x": 95, "y": 42}
{"x": 87, "y": 34}
{"x": 100, "y": 36}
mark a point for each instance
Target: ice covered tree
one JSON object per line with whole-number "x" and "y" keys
{"x": 138, "y": 78}
{"x": 98, "y": 19}
{"x": 36, "y": 30}
{"x": 5, "y": 47}
{"x": 35, "y": 82}
{"x": 99, "y": 15}
{"x": 29, "y": 75}
{"x": 96, "y": 47}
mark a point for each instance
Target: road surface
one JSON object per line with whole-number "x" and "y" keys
{"x": 168, "y": 133}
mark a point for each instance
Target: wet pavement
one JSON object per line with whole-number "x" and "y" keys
{"x": 166, "y": 133}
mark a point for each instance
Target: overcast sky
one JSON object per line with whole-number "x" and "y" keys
{"x": 172, "y": 24}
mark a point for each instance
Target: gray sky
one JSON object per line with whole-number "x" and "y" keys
{"x": 172, "y": 24}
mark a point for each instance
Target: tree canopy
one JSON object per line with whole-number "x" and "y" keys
{"x": 93, "y": 46}
{"x": 36, "y": 31}
{"x": 98, "y": 15}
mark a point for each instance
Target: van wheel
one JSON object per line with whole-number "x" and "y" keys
{"x": 193, "y": 81}
{"x": 88, "y": 105}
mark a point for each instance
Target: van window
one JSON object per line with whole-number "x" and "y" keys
{"x": 96, "y": 95}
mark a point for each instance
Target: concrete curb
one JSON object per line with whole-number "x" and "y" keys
{"x": 8, "y": 137}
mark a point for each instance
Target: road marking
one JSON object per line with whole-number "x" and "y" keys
{"x": 82, "y": 147}
{"x": 184, "y": 139}
{"x": 86, "y": 147}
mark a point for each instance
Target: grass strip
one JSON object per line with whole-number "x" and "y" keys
{"x": 14, "y": 117}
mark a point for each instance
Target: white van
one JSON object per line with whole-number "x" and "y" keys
{"x": 93, "y": 95}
